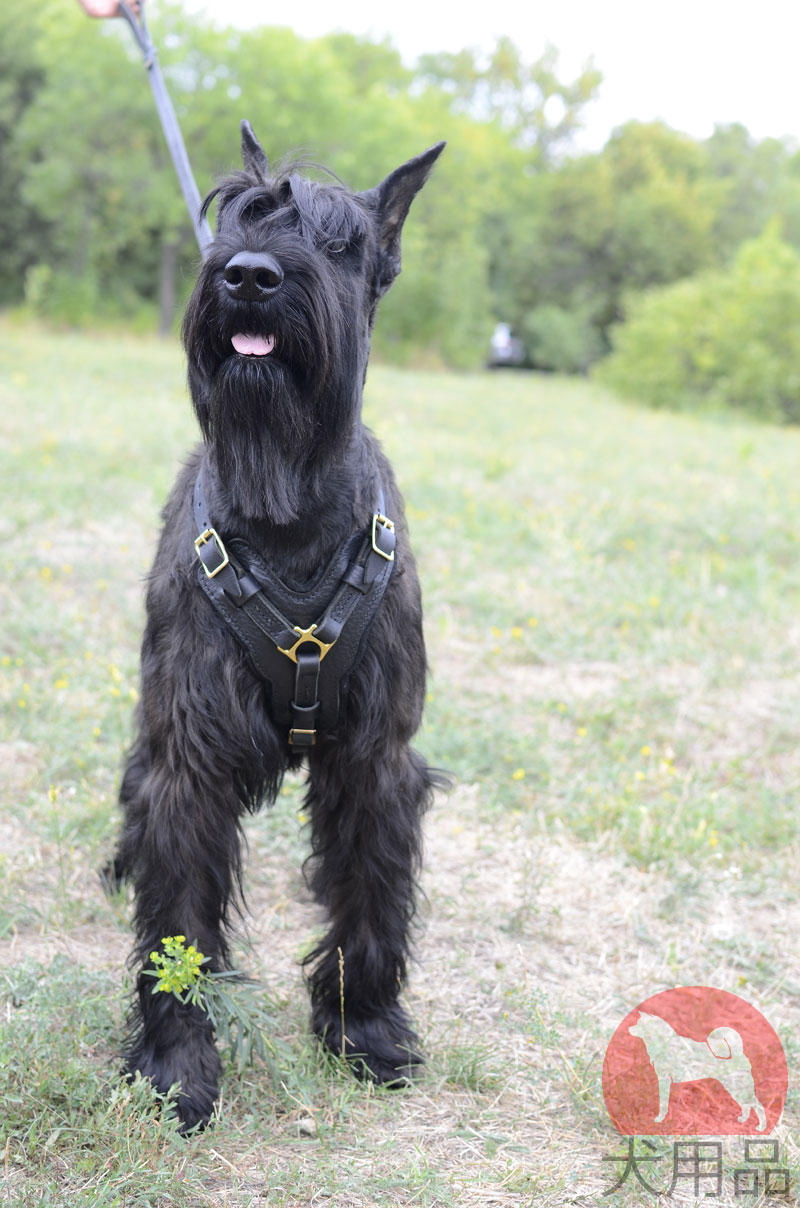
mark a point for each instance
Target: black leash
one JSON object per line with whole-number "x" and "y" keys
{"x": 169, "y": 124}
{"x": 342, "y": 603}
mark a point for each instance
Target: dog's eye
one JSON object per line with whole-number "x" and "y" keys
{"x": 349, "y": 245}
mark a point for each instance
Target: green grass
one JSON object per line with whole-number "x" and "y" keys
{"x": 633, "y": 580}
{"x": 611, "y": 602}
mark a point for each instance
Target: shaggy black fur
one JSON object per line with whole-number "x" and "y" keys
{"x": 290, "y": 468}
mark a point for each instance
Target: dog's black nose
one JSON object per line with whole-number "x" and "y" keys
{"x": 252, "y": 276}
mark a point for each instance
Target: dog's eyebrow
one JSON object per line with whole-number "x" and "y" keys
{"x": 237, "y": 205}
{"x": 323, "y": 212}
{"x": 326, "y": 212}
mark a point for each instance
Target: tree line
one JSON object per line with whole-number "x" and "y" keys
{"x": 517, "y": 227}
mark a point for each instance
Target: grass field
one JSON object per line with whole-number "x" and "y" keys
{"x": 613, "y": 620}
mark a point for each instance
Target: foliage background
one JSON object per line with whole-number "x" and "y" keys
{"x": 519, "y": 228}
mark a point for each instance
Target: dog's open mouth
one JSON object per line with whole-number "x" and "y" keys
{"x": 252, "y": 346}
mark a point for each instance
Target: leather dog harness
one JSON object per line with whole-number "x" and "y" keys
{"x": 331, "y": 617}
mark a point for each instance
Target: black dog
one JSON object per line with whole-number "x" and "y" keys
{"x": 283, "y": 624}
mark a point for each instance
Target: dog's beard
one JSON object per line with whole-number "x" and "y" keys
{"x": 260, "y": 431}
{"x": 276, "y": 423}
{"x": 271, "y": 441}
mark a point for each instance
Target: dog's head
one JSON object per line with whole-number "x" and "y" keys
{"x": 649, "y": 1027}
{"x": 277, "y": 330}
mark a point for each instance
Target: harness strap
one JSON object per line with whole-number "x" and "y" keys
{"x": 305, "y": 705}
{"x": 265, "y": 630}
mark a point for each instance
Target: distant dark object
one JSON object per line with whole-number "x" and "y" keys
{"x": 505, "y": 349}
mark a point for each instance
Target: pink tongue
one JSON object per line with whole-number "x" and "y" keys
{"x": 253, "y": 346}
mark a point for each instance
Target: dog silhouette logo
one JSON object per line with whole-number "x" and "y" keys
{"x": 695, "y": 1061}
{"x": 677, "y": 1059}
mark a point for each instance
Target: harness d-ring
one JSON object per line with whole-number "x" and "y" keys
{"x": 306, "y": 635}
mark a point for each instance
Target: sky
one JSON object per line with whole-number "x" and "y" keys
{"x": 690, "y": 63}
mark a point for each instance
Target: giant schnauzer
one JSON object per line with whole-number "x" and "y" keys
{"x": 284, "y": 625}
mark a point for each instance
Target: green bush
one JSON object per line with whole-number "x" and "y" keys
{"x": 728, "y": 339}
{"x": 81, "y": 301}
{"x": 566, "y": 341}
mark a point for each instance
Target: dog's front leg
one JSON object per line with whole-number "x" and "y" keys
{"x": 366, "y": 818}
{"x": 184, "y": 829}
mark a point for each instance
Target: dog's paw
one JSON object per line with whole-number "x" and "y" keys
{"x": 381, "y": 1048}
{"x": 194, "y": 1067}
{"x": 113, "y": 876}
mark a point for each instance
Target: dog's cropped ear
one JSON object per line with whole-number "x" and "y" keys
{"x": 391, "y": 201}
{"x": 253, "y": 155}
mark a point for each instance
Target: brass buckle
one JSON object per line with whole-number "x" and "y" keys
{"x": 387, "y": 524}
{"x": 306, "y": 635}
{"x": 211, "y": 534}
{"x": 313, "y": 734}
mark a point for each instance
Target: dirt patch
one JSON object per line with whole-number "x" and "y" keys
{"x": 577, "y": 681}
{"x": 753, "y": 725}
{"x": 19, "y": 770}
{"x": 52, "y": 901}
